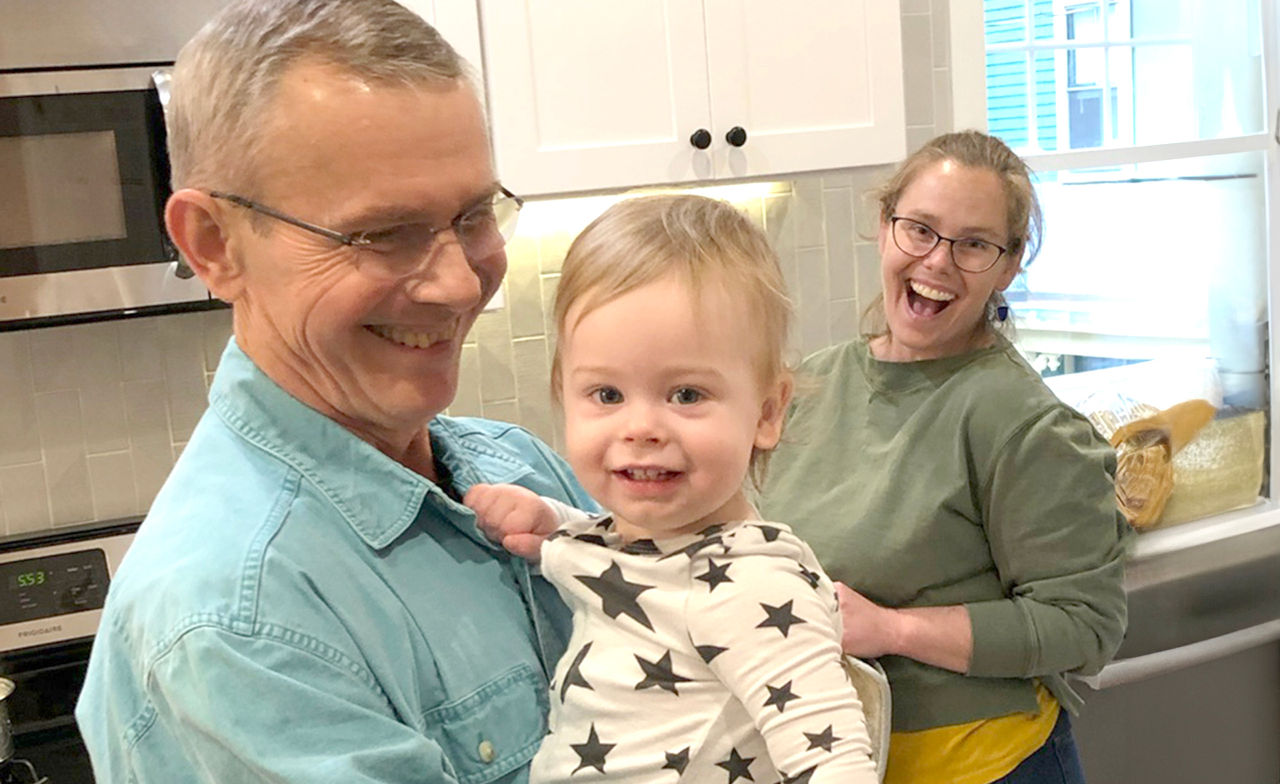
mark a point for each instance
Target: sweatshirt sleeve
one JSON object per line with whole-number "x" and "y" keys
{"x": 1058, "y": 542}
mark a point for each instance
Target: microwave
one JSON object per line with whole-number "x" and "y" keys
{"x": 84, "y": 171}
{"x": 83, "y": 159}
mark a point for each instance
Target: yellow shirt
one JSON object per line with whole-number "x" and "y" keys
{"x": 977, "y": 752}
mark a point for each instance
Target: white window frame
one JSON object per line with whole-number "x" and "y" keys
{"x": 968, "y": 73}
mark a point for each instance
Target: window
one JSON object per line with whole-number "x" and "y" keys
{"x": 1146, "y": 122}
{"x": 1086, "y": 117}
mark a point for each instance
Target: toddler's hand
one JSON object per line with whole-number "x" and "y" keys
{"x": 512, "y": 516}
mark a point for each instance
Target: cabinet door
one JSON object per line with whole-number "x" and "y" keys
{"x": 457, "y": 21}
{"x": 815, "y": 84}
{"x": 586, "y": 94}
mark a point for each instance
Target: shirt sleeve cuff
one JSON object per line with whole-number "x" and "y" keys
{"x": 564, "y": 512}
{"x": 1001, "y": 648}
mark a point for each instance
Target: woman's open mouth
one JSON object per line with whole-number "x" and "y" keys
{"x": 926, "y": 300}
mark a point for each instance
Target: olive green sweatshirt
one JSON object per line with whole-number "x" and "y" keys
{"x": 960, "y": 480}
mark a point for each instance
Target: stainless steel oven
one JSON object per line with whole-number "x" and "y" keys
{"x": 83, "y": 161}
{"x": 52, "y": 589}
{"x": 1194, "y": 693}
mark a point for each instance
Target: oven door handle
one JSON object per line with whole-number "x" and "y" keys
{"x": 1138, "y": 668}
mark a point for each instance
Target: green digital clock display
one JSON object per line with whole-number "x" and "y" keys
{"x": 31, "y": 579}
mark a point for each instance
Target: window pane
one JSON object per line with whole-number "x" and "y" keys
{"x": 1021, "y": 84}
{"x": 1047, "y": 108}
{"x": 1152, "y": 261}
{"x": 1006, "y": 21}
{"x": 1007, "y": 97}
{"x": 1083, "y": 22}
{"x": 1155, "y": 72}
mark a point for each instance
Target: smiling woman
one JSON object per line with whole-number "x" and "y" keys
{"x": 969, "y": 511}
{"x": 933, "y": 306}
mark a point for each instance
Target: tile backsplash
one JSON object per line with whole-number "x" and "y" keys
{"x": 92, "y": 416}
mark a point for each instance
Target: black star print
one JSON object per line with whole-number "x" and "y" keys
{"x": 715, "y": 574}
{"x": 641, "y": 547}
{"x": 780, "y": 618}
{"x": 770, "y": 532}
{"x": 659, "y": 674}
{"x": 618, "y": 596}
{"x": 780, "y": 696}
{"x": 591, "y": 539}
{"x": 810, "y": 577}
{"x": 702, "y": 544}
{"x": 738, "y": 766}
{"x": 677, "y": 761}
{"x": 573, "y": 676}
{"x": 822, "y": 740}
{"x": 593, "y": 752}
{"x": 709, "y": 652}
{"x": 556, "y": 534}
{"x": 800, "y": 778}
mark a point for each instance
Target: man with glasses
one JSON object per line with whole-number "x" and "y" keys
{"x": 308, "y": 600}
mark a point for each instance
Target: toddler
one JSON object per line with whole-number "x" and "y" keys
{"x": 706, "y": 642}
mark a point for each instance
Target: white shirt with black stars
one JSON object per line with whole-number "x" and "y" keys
{"x": 711, "y": 658}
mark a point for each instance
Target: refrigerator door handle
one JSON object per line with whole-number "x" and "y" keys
{"x": 1122, "y": 671}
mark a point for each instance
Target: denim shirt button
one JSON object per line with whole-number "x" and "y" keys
{"x": 486, "y": 751}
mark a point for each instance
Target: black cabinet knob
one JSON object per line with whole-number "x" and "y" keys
{"x": 701, "y": 139}
{"x": 737, "y": 136}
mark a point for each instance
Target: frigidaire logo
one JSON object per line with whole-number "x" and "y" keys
{"x": 40, "y": 631}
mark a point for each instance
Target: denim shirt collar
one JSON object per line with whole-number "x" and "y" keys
{"x": 378, "y": 497}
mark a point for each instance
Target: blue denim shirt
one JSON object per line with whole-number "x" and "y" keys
{"x": 298, "y": 607}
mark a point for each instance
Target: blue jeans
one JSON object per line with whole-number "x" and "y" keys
{"x": 1056, "y": 762}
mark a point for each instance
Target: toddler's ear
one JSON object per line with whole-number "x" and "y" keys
{"x": 773, "y": 412}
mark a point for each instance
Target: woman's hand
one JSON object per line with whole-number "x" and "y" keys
{"x": 941, "y": 636}
{"x": 869, "y": 629}
{"x": 513, "y": 516}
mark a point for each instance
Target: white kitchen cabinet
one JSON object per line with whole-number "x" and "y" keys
{"x": 457, "y": 21}
{"x": 588, "y": 95}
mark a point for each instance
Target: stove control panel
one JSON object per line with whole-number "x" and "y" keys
{"x": 55, "y": 592}
{"x": 53, "y": 585}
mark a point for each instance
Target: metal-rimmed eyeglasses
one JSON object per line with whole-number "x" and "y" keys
{"x": 482, "y": 230}
{"x": 970, "y": 254}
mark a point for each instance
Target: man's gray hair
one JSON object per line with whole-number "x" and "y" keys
{"x": 226, "y": 75}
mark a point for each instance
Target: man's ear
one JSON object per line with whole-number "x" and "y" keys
{"x": 200, "y": 228}
{"x": 773, "y": 412}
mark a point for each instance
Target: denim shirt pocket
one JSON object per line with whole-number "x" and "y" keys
{"x": 495, "y": 729}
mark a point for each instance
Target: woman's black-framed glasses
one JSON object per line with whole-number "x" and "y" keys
{"x": 482, "y": 230}
{"x": 968, "y": 253}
